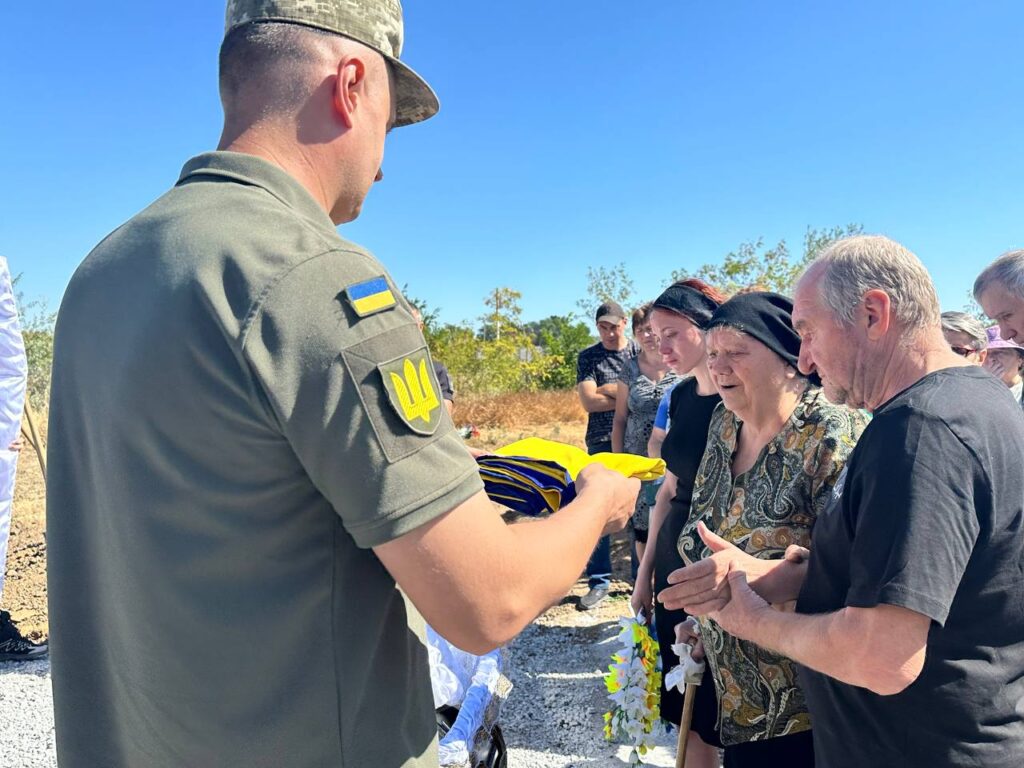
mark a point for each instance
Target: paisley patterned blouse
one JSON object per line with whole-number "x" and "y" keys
{"x": 763, "y": 511}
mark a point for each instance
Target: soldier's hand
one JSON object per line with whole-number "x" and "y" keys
{"x": 616, "y": 492}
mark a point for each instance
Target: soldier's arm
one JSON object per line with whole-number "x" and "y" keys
{"x": 478, "y": 581}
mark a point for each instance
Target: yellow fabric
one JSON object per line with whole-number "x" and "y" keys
{"x": 575, "y": 459}
{"x": 374, "y": 302}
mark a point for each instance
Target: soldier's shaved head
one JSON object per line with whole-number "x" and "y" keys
{"x": 269, "y": 70}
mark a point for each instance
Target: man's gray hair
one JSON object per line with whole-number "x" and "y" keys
{"x": 1007, "y": 271}
{"x": 961, "y": 322}
{"x": 852, "y": 266}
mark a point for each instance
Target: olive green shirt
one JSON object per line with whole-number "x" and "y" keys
{"x": 228, "y": 439}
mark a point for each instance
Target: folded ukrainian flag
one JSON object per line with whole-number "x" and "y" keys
{"x": 574, "y": 459}
{"x": 528, "y": 486}
{"x": 535, "y": 476}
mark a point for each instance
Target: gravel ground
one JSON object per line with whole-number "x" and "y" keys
{"x": 554, "y": 715}
{"x": 553, "y": 718}
{"x": 26, "y": 715}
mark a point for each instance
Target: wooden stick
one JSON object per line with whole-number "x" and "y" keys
{"x": 33, "y": 436}
{"x": 684, "y": 724}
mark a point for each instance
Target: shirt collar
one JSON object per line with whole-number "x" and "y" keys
{"x": 255, "y": 171}
{"x": 807, "y": 401}
{"x": 1017, "y": 390}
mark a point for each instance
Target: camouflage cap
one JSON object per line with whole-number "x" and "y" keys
{"x": 374, "y": 23}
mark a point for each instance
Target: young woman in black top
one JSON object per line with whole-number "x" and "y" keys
{"x": 678, "y": 319}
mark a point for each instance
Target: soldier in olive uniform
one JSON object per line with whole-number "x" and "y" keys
{"x": 248, "y": 448}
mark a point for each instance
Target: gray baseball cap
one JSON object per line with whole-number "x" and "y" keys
{"x": 610, "y": 312}
{"x": 374, "y": 23}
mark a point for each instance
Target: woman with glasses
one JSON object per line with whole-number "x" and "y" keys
{"x": 965, "y": 335}
{"x": 642, "y": 384}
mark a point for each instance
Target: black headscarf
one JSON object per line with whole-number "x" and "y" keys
{"x": 688, "y": 302}
{"x": 768, "y": 317}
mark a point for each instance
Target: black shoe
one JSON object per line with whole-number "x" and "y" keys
{"x": 14, "y": 647}
{"x": 593, "y": 597}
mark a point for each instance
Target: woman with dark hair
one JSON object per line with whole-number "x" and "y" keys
{"x": 775, "y": 449}
{"x": 679, "y": 317}
{"x": 642, "y": 383}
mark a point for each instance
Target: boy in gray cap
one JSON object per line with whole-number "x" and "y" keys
{"x": 248, "y": 446}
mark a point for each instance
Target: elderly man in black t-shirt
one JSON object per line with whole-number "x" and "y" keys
{"x": 909, "y": 623}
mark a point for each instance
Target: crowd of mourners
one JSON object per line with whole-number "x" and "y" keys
{"x": 256, "y": 498}
{"x": 839, "y": 530}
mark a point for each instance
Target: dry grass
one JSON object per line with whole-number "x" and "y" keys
{"x": 25, "y": 586}
{"x": 518, "y": 408}
{"x": 503, "y": 419}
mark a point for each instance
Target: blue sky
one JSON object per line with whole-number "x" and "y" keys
{"x": 571, "y": 134}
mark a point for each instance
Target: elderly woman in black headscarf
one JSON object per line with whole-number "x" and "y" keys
{"x": 775, "y": 449}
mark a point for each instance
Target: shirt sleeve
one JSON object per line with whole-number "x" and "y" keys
{"x": 909, "y": 499}
{"x": 838, "y": 433}
{"x": 585, "y": 367}
{"x": 378, "y": 450}
{"x": 629, "y": 372}
{"x": 661, "y": 417}
{"x": 444, "y": 380}
{"x": 13, "y": 365}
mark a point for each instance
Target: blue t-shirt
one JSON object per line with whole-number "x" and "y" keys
{"x": 661, "y": 418}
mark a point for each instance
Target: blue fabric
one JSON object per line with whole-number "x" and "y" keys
{"x": 661, "y": 417}
{"x": 528, "y": 486}
{"x": 369, "y": 288}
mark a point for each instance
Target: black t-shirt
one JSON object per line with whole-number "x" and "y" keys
{"x": 602, "y": 366}
{"x": 684, "y": 445}
{"x": 444, "y": 381}
{"x": 930, "y": 517}
{"x": 683, "y": 449}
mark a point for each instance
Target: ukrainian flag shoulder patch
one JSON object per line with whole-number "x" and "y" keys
{"x": 370, "y": 296}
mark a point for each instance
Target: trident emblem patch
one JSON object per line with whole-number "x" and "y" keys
{"x": 411, "y": 389}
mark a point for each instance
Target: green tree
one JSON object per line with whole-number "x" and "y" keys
{"x": 606, "y": 284}
{"x": 972, "y": 308}
{"x": 505, "y": 314}
{"x": 773, "y": 269}
{"x": 502, "y": 357}
{"x": 561, "y": 338}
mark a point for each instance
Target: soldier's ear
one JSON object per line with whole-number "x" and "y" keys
{"x": 349, "y": 88}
